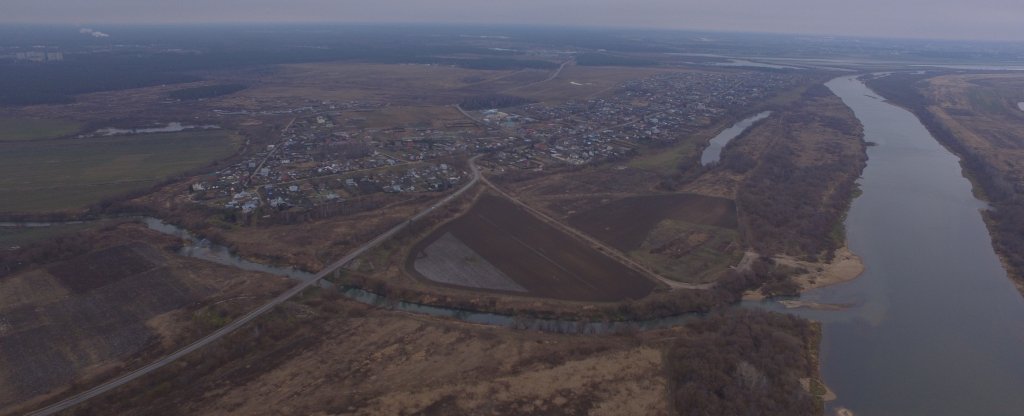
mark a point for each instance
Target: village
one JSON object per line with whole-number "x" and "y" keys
{"x": 326, "y": 155}
{"x": 656, "y": 110}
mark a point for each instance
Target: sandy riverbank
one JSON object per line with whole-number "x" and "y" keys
{"x": 845, "y": 266}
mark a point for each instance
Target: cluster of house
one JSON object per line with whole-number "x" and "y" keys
{"x": 662, "y": 108}
{"x": 327, "y": 155}
{"x": 319, "y": 161}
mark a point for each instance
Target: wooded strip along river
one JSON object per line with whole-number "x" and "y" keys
{"x": 936, "y": 328}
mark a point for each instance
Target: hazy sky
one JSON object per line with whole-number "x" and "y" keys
{"x": 950, "y": 19}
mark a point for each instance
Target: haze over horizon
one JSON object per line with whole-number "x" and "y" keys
{"x": 936, "y": 19}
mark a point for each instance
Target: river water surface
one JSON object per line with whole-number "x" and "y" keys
{"x": 714, "y": 150}
{"x": 938, "y": 328}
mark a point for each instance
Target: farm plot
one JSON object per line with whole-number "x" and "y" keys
{"x": 82, "y": 318}
{"x": 46, "y": 343}
{"x": 625, "y": 223}
{"x": 17, "y": 129}
{"x": 536, "y": 256}
{"x": 686, "y": 237}
{"x": 51, "y": 175}
{"x": 448, "y": 260}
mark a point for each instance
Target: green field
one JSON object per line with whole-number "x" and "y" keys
{"x": 16, "y": 236}
{"x": 56, "y": 175}
{"x": 687, "y": 252}
{"x": 18, "y": 129}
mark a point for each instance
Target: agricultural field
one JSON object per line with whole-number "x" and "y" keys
{"x": 687, "y": 237}
{"x": 20, "y": 236}
{"x": 581, "y": 82}
{"x": 54, "y": 175}
{"x": 448, "y": 260}
{"x": 19, "y": 128}
{"x": 598, "y": 180}
{"x": 539, "y": 258}
{"x": 404, "y": 116}
{"x": 625, "y": 223}
{"x": 123, "y": 299}
{"x": 400, "y": 85}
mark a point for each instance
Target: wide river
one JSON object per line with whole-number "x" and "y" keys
{"x": 937, "y": 327}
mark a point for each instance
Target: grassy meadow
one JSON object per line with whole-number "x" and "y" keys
{"x": 21, "y": 129}
{"x": 54, "y": 175}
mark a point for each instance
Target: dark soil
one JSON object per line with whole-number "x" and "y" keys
{"x": 539, "y": 257}
{"x": 625, "y": 223}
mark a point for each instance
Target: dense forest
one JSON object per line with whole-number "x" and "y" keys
{"x": 1006, "y": 220}
{"x": 59, "y": 82}
{"x": 207, "y": 91}
{"x": 744, "y": 363}
{"x": 101, "y": 69}
{"x": 796, "y": 194}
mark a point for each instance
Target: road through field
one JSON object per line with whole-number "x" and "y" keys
{"x": 611, "y": 252}
{"x": 249, "y": 317}
{"x": 615, "y": 254}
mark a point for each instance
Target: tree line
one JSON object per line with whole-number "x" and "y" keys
{"x": 744, "y": 363}
{"x": 206, "y": 91}
{"x": 793, "y": 206}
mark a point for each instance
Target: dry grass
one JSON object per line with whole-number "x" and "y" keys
{"x": 981, "y": 111}
{"x": 332, "y": 356}
{"x": 52, "y": 335}
{"x": 582, "y": 82}
{"x": 395, "y": 84}
{"x": 311, "y": 245}
{"x": 406, "y": 116}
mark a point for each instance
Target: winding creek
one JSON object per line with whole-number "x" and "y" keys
{"x": 937, "y": 327}
{"x": 203, "y": 249}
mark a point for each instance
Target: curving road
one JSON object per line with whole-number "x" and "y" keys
{"x": 249, "y": 317}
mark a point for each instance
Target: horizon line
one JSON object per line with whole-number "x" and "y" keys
{"x": 4, "y": 23}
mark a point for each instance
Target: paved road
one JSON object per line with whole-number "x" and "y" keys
{"x": 238, "y": 323}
